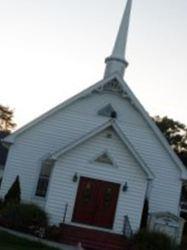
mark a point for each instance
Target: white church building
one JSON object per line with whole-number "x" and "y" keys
{"x": 93, "y": 160}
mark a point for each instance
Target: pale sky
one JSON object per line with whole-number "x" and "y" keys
{"x": 52, "y": 49}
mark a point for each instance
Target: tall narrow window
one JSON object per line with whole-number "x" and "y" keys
{"x": 44, "y": 178}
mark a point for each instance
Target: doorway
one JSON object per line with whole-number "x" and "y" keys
{"x": 96, "y": 202}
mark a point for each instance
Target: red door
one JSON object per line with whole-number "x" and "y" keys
{"x": 96, "y": 202}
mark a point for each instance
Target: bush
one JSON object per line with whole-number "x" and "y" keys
{"x": 145, "y": 240}
{"x": 54, "y": 233}
{"x": 1, "y": 204}
{"x": 27, "y": 218}
{"x": 14, "y": 193}
{"x": 184, "y": 243}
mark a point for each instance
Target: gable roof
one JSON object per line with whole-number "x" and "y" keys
{"x": 116, "y": 85}
{"x": 117, "y": 129}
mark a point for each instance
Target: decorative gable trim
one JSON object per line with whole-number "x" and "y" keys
{"x": 117, "y": 129}
{"x": 104, "y": 158}
{"x": 114, "y": 86}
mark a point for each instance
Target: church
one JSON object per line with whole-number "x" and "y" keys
{"x": 92, "y": 161}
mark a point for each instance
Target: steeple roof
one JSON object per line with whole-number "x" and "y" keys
{"x": 116, "y": 63}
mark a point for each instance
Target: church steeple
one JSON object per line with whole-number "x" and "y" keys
{"x": 116, "y": 63}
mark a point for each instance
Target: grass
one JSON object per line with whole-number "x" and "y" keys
{"x": 10, "y": 242}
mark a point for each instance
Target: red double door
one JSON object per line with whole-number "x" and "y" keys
{"x": 96, "y": 202}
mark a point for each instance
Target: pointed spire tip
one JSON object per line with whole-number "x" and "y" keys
{"x": 116, "y": 62}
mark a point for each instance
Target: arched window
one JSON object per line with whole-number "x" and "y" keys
{"x": 44, "y": 178}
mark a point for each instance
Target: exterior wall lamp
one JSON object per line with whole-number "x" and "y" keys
{"x": 125, "y": 187}
{"x": 75, "y": 178}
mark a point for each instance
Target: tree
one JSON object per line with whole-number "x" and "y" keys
{"x": 14, "y": 193}
{"x": 6, "y": 119}
{"x": 176, "y": 135}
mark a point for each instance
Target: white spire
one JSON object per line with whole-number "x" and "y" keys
{"x": 116, "y": 63}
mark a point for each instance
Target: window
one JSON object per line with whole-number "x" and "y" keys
{"x": 44, "y": 178}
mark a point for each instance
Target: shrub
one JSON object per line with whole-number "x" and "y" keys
{"x": 184, "y": 243}
{"x": 54, "y": 233}
{"x": 28, "y": 218}
{"x": 1, "y": 204}
{"x": 14, "y": 193}
{"x": 145, "y": 240}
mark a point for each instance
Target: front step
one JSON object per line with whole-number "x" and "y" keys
{"x": 93, "y": 239}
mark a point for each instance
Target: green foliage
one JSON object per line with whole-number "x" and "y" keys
{"x": 1, "y": 204}
{"x": 176, "y": 135}
{"x": 24, "y": 217}
{"x": 54, "y": 233}
{"x": 145, "y": 240}
{"x": 184, "y": 243}
{"x": 174, "y": 131}
{"x": 6, "y": 117}
{"x": 10, "y": 242}
{"x": 183, "y": 156}
{"x": 14, "y": 193}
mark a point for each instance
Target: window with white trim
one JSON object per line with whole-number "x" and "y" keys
{"x": 43, "y": 181}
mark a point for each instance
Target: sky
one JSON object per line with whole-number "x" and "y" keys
{"x": 52, "y": 49}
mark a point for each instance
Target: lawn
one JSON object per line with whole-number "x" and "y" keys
{"x": 9, "y": 242}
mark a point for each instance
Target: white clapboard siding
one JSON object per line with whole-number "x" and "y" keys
{"x": 55, "y": 132}
{"x": 74, "y": 121}
{"x": 126, "y": 112}
{"x": 166, "y": 187}
{"x": 80, "y": 160}
{"x": 31, "y": 147}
